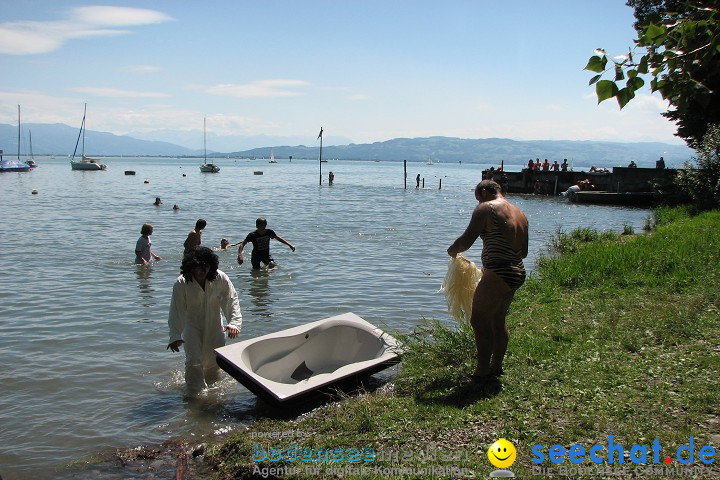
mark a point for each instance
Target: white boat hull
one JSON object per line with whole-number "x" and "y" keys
{"x": 293, "y": 363}
{"x": 88, "y": 165}
{"x": 209, "y": 168}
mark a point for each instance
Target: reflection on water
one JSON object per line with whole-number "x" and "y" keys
{"x": 144, "y": 278}
{"x": 258, "y": 289}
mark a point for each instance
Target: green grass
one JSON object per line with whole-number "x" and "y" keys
{"x": 618, "y": 335}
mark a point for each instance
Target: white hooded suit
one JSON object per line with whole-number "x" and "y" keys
{"x": 195, "y": 319}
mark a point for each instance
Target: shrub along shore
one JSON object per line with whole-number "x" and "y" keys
{"x": 616, "y": 335}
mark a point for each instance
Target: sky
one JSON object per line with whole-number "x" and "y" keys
{"x": 366, "y": 70}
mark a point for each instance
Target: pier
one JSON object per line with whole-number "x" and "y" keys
{"x": 631, "y": 182}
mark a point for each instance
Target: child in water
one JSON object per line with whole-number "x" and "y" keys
{"x": 143, "y": 252}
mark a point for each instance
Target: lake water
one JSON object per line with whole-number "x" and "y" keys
{"x": 83, "y": 331}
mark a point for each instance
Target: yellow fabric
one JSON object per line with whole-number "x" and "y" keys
{"x": 459, "y": 286}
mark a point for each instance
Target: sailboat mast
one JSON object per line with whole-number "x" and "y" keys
{"x": 320, "y": 159}
{"x": 205, "y": 138}
{"x": 83, "y": 132}
{"x": 82, "y": 129}
{"x": 18, "y": 133}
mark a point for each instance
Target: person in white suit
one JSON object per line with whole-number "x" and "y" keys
{"x": 199, "y": 296}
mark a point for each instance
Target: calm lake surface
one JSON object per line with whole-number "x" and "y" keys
{"x": 83, "y": 331}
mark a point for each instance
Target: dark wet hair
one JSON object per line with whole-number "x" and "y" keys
{"x": 197, "y": 257}
{"x": 260, "y": 221}
{"x": 489, "y": 185}
{"x": 146, "y": 229}
{"x": 200, "y": 224}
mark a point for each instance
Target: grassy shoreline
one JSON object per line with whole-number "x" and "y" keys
{"x": 619, "y": 335}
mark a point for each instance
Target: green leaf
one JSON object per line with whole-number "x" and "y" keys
{"x": 594, "y": 79}
{"x": 654, "y": 32}
{"x": 635, "y": 83}
{"x": 624, "y": 95}
{"x": 632, "y": 73}
{"x": 605, "y": 89}
{"x": 643, "y": 66}
{"x": 619, "y": 73}
{"x": 596, "y": 64}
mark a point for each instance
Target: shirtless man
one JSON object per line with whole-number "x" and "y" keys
{"x": 194, "y": 238}
{"x": 504, "y": 231}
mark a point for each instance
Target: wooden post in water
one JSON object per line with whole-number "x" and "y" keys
{"x": 556, "y": 182}
{"x": 405, "y": 170}
{"x": 320, "y": 162}
{"x": 440, "y": 187}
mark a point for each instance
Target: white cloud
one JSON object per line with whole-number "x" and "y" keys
{"x": 261, "y": 88}
{"x": 236, "y": 124}
{"x": 31, "y": 38}
{"x": 118, "y": 93}
{"x": 359, "y": 96}
{"x": 118, "y": 16}
{"x": 38, "y": 107}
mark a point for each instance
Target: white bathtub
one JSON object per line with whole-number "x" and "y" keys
{"x": 285, "y": 365}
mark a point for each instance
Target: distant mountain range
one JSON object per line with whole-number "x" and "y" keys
{"x": 59, "y": 139}
{"x": 229, "y": 143}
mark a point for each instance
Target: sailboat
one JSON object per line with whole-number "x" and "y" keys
{"x": 207, "y": 167}
{"x": 14, "y": 165}
{"x": 85, "y": 163}
{"x": 31, "y": 161}
{"x": 272, "y": 157}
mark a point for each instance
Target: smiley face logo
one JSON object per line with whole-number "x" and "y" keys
{"x": 502, "y": 453}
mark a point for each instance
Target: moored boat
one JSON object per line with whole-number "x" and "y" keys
{"x": 639, "y": 199}
{"x": 294, "y": 363}
{"x": 31, "y": 159}
{"x": 14, "y": 165}
{"x": 85, "y": 162}
{"x": 209, "y": 168}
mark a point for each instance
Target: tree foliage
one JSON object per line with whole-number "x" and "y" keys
{"x": 681, "y": 42}
{"x": 703, "y": 182}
